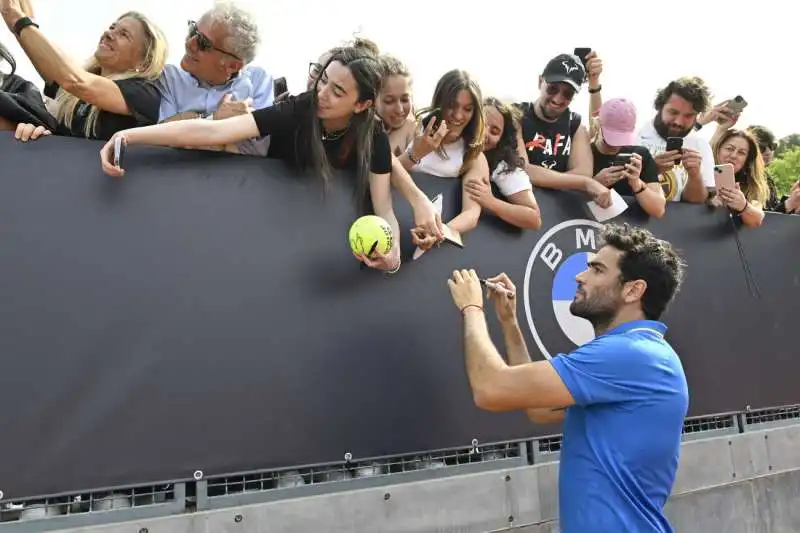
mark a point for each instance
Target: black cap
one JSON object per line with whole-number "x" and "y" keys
{"x": 566, "y": 68}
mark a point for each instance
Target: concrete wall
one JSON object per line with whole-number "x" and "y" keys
{"x": 748, "y": 482}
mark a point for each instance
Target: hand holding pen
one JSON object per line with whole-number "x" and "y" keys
{"x": 503, "y": 293}
{"x": 497, "y": 286}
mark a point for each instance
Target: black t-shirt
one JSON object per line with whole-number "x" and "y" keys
{"x": 548, "y": 144}
{"x": 141, "y": 96}
{"x": 285, "y": 121}
{"x": 649, "y": 172}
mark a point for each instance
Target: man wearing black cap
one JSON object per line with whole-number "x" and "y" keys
{"x": 553, "y": 142}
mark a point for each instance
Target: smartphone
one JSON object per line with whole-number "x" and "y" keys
{"x": 737, "y": 104}
{"x": 675, "y": 143}
{"x": 582, "y": 53}
{"x": 119, "y": 151}
{"x": 280, "y": 86}
{"x": 434, "y": 114}
{"x": 620, "y": 160}
{"x": 723, "y": 176}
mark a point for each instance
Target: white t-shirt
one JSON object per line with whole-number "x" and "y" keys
{"x": 511, "y": 182}
{"x": 674, "y": 181}
{"x": 508, "y": 182}
{"x": 448, "y": 167}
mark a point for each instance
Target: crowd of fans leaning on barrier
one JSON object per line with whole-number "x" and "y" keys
{"x": 357, "y": 113}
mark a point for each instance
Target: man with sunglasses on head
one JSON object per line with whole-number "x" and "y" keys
{"x": 552, "y": 142}
{"x": 767, "y": 145}
{"x": 215, "y": 79}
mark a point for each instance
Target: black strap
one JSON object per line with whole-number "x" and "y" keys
{"x": 750, "y": 280}
{"x": 23, "y": 23}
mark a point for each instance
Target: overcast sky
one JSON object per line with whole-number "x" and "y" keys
{"x": 748, "y": 50}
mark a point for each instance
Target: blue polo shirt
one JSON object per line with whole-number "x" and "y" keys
{"x": 181, "y": 92}
{"x": 622, "y": 437}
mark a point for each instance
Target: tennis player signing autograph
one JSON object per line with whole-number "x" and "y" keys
{"x": 623, "y": 395}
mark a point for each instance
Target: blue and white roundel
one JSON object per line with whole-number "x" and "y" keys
{"x": 578, "y": 330}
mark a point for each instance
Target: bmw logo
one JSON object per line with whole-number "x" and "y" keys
{"x": 549, "y": 286}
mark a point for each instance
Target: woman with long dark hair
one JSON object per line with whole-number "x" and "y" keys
{"x": 448, "y": 142}
{"x": 331, "y": 126}
{"x": 515, "y": 203}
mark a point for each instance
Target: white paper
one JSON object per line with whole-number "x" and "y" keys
{"x": 617, "y": 207}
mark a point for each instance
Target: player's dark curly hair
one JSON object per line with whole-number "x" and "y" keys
{"x": 691, "y": 88}
{"x": 650, "y": 259}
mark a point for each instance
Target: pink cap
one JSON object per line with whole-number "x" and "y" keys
{"x": 618, "y": 122}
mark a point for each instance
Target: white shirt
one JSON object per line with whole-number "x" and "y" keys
{"x": 674, "y": 181}
{"x": 511, "y": 182}
{"x": 448, "y": 167}
{"x": 508, "y": 182}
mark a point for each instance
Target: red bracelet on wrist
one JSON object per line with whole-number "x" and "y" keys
{"x": 470, "y": 305}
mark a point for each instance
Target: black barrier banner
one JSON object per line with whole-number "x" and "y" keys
{"x": 206, "y": 313}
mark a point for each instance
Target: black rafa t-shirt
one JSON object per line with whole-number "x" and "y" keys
{"x": 649, "y": 172}
{"x": 141, "y": 96}
{"x": 283, "y": 123}
{"x": 548, "y": 144}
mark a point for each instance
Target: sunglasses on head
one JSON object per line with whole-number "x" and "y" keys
{"x": 314, "y": 69}
{"x": 204, "y": 43}
{"x": 555, "y": 88}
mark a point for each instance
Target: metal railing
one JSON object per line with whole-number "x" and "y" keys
{"x": 130, "y": 503}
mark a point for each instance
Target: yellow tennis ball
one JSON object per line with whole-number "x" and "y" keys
{"x": 370, "y": 231}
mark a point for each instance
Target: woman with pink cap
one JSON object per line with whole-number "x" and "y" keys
{"x": 621, "y": 165}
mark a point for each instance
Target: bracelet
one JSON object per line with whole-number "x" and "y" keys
{"x": 471, "y": 305}
{"x": 743, "y": 209}
{"x": 395, "y": 269}
{"x": 410, "y": 154}
{"x": 23, "y": 23}
{"x": 595, "y": 91}
{"x": 644, "y": 186}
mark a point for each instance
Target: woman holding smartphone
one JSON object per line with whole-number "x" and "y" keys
{"x": 331, "y": 126}
{"x": 740, "y": 149}
{"x": 448, "y": 143}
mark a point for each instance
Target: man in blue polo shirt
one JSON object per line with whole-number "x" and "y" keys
{"x": 623, "y": 395}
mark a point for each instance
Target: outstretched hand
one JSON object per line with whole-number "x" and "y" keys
{"x": 465, "y": 288}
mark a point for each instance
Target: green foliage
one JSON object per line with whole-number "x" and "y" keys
{"x": 787, "y": 143}
{"x": 786, "y": 168}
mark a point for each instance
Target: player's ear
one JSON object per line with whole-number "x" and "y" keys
{"x": 633, "y": 291}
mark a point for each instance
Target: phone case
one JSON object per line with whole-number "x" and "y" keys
{"x": 724, "y": 177}
{"x": 119, "y": 151}
{"x": 736, "y": 106}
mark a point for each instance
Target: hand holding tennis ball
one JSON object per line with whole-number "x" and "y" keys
{"x": 371, "y": 239}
